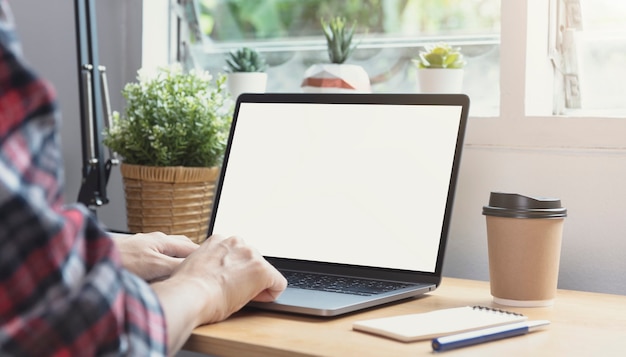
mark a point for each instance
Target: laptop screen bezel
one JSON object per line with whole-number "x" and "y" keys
{"x": 459, "y": 100}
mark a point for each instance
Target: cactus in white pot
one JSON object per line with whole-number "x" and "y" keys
{"x": 245, "y": 59}
{"x": 246, "y": 72}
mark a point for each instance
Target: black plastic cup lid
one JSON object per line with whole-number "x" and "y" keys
{"x": 514, "y": 205}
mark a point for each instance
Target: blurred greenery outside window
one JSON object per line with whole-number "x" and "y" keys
{"x": 389, "y": 34}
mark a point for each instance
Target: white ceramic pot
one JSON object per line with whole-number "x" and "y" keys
{"x": 246, "y": 82}
{"x": 336, "y": 78}
{"x": 440, "y": 80}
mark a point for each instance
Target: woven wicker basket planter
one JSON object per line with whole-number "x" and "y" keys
{"x": 172, "y": 200}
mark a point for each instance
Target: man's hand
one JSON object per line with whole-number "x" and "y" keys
{"x": 233, "y": 273}
{"x": 153, "y": 256}
{"x": 216, "y": 280}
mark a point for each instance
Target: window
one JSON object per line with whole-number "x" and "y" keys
{"x": 389, "y": 34}
{"x": 499, "y": 81}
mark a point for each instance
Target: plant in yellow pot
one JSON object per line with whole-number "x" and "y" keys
{"x": 171, "y": 138}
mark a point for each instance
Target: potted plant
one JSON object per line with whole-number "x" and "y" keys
{"x": 337, "y": 76}
{"x": 246, "y": 72}
{"x": 171, "y": 138}
{"x": 440, "y": 69}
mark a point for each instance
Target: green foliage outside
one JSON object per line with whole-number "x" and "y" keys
{"x": 172, "y": 118}
{"x": 226, "y": 20}
{"x": 235, "y": 20}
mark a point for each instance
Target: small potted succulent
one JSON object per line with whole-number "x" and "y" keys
{"x": 440, "y": 69}
{"x": 337, "y": 76}
{"x": 171, "y": 136}
{"x": 246, "y": 72}
{"x": 338, "y": 39}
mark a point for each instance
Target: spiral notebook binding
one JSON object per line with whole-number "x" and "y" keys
{"x": 493, "y": 309}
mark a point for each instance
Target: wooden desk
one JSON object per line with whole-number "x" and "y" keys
{"x": 583, "y": 324}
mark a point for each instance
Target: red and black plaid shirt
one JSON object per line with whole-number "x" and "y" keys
{"x": 63, "y": 291}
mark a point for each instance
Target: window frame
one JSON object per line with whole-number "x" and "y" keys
{"x": 526, "y": 80}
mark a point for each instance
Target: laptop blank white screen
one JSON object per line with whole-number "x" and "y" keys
{"x": 359, "y": 184}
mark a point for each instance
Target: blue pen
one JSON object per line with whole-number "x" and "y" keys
{"x": 445, "y": 343}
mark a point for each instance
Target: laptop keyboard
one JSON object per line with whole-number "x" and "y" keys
{"x": 340, "y": 284}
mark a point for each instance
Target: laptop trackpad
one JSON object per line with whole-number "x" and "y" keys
{"x": 304, "y": 301}
{"x": 319, "y": 299}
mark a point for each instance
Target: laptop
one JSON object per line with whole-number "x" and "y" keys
{"x": 350, "y": 190}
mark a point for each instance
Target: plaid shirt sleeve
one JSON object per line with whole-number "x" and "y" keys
{"x": 63, "y": 291}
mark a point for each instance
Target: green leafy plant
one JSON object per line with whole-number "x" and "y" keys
{"x": 245, "y": 59}
{"x": 339, "y": 38}
{"x": 440, "y": 55}
{"x": 172, "y": 118}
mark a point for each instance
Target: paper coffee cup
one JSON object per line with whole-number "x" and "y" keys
{"x": 524, "y": 237}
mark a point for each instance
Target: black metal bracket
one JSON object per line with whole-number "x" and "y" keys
{"x": 94, "y": 114}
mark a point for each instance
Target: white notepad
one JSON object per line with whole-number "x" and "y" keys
{"x": 415, "y": 327}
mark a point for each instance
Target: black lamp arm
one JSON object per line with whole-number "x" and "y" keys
{"x": 92, "y": 91}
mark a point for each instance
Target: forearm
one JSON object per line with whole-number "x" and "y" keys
{"x": 183, "y": 311}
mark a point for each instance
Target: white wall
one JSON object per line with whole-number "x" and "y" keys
{"x": 580, "y": 161}
{"x": 588, "y": 184}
